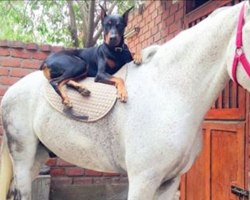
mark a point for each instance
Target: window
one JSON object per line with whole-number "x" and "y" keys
{"x": 193, "y": 4}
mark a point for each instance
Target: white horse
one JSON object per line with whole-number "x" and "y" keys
{"x": 155, "y": 137}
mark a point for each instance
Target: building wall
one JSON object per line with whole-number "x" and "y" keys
{"x": 159, "y": 22}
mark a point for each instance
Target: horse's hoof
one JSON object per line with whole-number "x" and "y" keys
{"x": 84, "y": 92}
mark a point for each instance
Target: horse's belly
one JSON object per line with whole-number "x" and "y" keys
{"x": 82, "y": 144}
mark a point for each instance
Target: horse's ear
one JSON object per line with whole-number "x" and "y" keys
{"x": 103, "y": 12}
{"x": 125, "y": 15}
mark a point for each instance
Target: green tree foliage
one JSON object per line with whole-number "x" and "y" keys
{"x": 62, "y": 22}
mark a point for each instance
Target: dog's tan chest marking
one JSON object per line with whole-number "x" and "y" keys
{"x": 110, "y": 62}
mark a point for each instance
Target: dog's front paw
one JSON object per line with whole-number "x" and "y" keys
{"x": 137, "y": 58}
{"x": 122, "y": 95}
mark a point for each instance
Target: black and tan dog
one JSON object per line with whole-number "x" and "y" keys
{"x": 66, "y": 67}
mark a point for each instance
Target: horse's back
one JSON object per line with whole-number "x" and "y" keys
{"x": 26, "y": 86}
{"x": 22, "y": 94}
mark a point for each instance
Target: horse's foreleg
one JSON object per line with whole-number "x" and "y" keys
{"x": 143, "y": 187}
{"x": 168, "y": 189}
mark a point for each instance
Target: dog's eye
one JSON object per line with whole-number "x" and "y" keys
{"x": 107, "y": 26}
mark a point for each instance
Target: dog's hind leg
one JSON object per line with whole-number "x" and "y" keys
{"x": 70, "y": 75}
{"x": 78, "y": 74}
{"x": 58, "y": 84}
{"x": 79, "y": 87}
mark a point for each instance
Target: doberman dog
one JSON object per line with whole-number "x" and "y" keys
{"x": 66, "y": 67}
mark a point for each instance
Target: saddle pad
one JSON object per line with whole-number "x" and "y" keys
{"x": 95, "y": 106}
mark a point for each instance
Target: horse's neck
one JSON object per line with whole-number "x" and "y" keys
{"x": 195, "y": 64}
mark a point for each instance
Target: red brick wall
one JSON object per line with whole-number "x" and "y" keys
{"x": 65, "y": 173}
{"x": 18, "y": 59}
{"x": 159, "y": 22}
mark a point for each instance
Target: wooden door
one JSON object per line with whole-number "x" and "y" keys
{"x": 224, "y": 159}
{"x": 220, "y": 165}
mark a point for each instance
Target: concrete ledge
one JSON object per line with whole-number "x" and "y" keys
{"x": 90, "y": 192}
{"x": 93, "y": 192}
{"x": 41, "y": 188}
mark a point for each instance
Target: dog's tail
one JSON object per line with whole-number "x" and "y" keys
{"x": 46, "y": 71}
{"x": 6, "y": 173}
{"x": 43, "y": 65}
{"x": 149, "y": 52}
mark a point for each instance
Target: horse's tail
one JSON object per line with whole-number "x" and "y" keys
{"x": 6, "y": 173}
{"x": 149, "y": 52}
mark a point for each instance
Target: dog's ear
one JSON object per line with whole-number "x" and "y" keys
{"x": 125, "y": 15}
{"x": 103, "y": 13}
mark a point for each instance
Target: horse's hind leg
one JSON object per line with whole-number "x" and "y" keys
{"x": 23, "y": 160}
{"x": 26, "y": 170}
{"x": 27, "y": 157}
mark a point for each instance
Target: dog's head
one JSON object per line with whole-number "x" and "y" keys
{"x": 113, "y": 27}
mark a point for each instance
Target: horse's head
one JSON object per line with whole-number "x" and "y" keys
{"x": 238, "y": 54}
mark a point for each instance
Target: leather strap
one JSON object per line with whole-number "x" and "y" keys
{"x": 239, "y": 53}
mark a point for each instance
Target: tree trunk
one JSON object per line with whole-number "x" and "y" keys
{"x": 72, "y": 26}
{"x": 88, "y": 39}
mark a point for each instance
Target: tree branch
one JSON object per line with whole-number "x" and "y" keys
{"x": 72, "y": 26}
{"x": 110, "y": 10}
{"x": 99, "y": 31}
{"x": 84, "y": 17}
{"x": 97, "y": 35}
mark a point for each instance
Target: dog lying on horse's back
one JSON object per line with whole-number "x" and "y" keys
{"x": 66, "y": 67}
